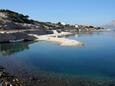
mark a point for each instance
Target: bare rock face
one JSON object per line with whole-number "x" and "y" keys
{"x": 5, "y": 23}
{"x": 9, "y": 25}
{"x": 5, "y": 37}
{"x": 3, "y": 15}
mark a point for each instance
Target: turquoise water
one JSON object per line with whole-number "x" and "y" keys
{"x": 95, "y": 59}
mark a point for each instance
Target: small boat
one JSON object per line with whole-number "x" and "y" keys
{"x": 19, "y": 40}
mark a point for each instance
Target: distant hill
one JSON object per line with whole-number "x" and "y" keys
{"x": 110, "y": 25}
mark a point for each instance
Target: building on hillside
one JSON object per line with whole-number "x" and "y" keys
{"x": 63, "y": 23}
{"x": 76, "y": 26}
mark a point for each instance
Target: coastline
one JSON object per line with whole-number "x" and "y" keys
{"x": 71, "y": 47}
{"x": 26, "y": 35}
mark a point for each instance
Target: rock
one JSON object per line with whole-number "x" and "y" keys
{"x": 6, "y": 37}
{"x": 1, "y": 73}
{"x": 0, "y": 84}
{"x": 1, "y": 68}
{"x": 6, "y": 83}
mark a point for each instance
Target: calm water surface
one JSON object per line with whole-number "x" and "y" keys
{"x": 95, "y": 59}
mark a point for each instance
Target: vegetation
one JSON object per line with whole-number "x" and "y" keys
{"x": 17, "y": 17}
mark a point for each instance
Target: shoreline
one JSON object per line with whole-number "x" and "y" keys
{"x": 55, "y": 38}
{"x": 22, "y": 36}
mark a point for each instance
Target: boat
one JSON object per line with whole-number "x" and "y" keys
{"x": 19, "y": 40}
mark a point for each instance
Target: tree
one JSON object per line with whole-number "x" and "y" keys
{"x": 59, "y": 23}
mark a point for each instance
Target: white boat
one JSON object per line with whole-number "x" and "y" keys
{"x": 20, "y": 40}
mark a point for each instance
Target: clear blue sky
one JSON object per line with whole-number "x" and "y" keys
{"x": 69, "y": 11}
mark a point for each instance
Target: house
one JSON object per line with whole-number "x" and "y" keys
{"x": 63, "y": 23}
{"x": 76, "y": 26}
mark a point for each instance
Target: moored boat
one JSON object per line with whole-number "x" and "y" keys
{"x": 19, "y": 40}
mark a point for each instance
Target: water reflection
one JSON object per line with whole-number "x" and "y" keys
{"x": 12, "y": 48}
{"x": 7, "y": 49}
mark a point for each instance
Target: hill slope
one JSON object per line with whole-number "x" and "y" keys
{"x": 14, "y": 20}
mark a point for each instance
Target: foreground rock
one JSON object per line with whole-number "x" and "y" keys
{"x": 8, "y": 80}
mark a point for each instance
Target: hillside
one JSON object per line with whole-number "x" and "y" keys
{"x": 12, "y": 20}
{"x": 15, "y": 17}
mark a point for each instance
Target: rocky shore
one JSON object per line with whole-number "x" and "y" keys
{"x": 7, "y": 37}
{"x": 28, "y": 79}
{"x": 8, "y": 80}
{"x": 15, "y": 35}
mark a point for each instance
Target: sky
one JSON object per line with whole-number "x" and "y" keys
{"x": 96, "y": 12}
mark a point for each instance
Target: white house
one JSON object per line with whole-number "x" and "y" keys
{"x": 63, "y": 23}
{"x": 76, "y": 26}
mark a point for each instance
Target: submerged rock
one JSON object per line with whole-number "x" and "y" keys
{"x": 8, "y": 80}
{"x": 28, "y": 79}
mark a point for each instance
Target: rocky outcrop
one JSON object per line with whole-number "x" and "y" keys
{"x": 6, "y": 37}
